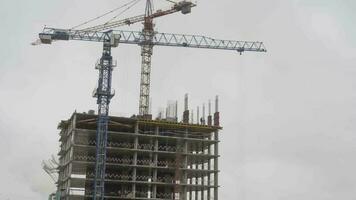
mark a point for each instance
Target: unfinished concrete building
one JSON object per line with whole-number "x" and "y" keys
{"x": 146, "y": 159}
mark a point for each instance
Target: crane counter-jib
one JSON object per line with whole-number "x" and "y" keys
{"x": 159, "y": 39}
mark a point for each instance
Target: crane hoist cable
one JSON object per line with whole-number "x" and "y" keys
{"x": 171, "y": 1}
{"x": 122, "y": 12}
{"x": 105, "y": 14}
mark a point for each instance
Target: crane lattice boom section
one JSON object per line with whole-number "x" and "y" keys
{"x": 184, "y": 7}
{"x": 127, "y": 21}
{"x": 159, "y": 39}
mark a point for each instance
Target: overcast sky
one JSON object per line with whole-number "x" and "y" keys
{"x": 288, "y": 115}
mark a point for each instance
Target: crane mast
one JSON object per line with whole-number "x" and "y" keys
{"x": 147, "y": 50}
{"x": 146, "y": 54}
{"x": 103, "y": 94}
{"x": 146, "y": 45}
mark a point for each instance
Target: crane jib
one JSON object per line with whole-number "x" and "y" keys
{"x": 159, "y": 39}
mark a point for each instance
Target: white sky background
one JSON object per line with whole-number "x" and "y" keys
{"x": 288, "y": 115}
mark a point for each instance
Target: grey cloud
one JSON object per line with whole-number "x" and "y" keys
{"x": 288, "y": 115}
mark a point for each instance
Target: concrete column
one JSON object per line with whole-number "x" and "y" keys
{"x": 154, "y": 192}
{"x": 71, "y": 138}
{"x": 68, "y": 188}
{"x": 74, "y": 122}
{"x": 209, "y": 169}
{"x": 69, "y": 172}
{"x": 202, "y": 177}
{"x": 196, "y": 176}
{"x": 134, "y": 172}
{"x": 185, "y": 166}
{"x": 216, "y": 165}
{"x": 190, "y": 183}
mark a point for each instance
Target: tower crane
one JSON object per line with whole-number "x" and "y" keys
{"x": 146, "y": 47}
{"x": 147, "y": 38}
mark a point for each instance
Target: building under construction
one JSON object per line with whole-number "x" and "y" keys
{"x": 145, "y": 159}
